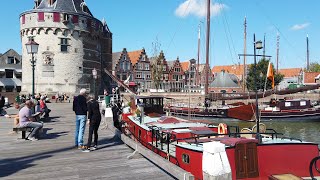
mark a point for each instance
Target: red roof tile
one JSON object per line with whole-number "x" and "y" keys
{"x": 134, "y": 56}
{"x": 185, "y": 65}
{"x": 290, "y": 72}
{"x": 309, "y": 77}
{"x": 231, "y": 69}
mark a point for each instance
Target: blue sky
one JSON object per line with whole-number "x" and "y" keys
{"x": 174, "y": 25}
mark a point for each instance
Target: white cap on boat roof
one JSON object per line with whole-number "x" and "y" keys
{"x": 214, "y": 147}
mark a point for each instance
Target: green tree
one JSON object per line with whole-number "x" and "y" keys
{"x": 262, "y": 68}
{"x": 314, "y": 67}
{"x": 157, "y": 71}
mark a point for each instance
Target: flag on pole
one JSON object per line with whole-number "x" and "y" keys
{"x": 270, "y": 74}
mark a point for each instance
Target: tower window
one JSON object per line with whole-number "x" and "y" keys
{"x": 56, "y": 17}
{"x": 65, "y": 18}
{"x": 23, "y": 19}
{"x": 75, "y": 19}
{"x": 40, "y": 16}
{"x": 64, "y": 44}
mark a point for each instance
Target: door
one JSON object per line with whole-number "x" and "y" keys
{"x": 246, "y": 160}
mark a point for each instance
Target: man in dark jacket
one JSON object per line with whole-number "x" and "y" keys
{"x": 80, "y": 108}
{"x": 94, "y": 117}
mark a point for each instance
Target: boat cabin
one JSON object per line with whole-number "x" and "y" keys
{"x": 293, "y": 104}
{"x": 151, "y": 104}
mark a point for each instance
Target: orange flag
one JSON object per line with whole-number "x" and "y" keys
{"x": 270, "y": 74}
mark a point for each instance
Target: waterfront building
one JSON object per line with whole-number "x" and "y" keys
{"x": 160, "y": 65}
{"x": 72, "y": 42}
{"x": 311, "y": 78}
{"x": 176, "y": 76}
{"x": 292, "y": 78}
{"x": 225, "y": 83}
{"x": 10, "y": 72}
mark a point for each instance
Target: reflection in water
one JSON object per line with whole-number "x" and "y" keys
{"x": 306, "y": 131}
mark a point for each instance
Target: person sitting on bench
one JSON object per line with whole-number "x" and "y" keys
{"x": 43, "y": 107}
{"x": 26, "y": 120}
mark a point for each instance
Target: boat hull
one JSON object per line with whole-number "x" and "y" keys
{"x": 291, "y": 115}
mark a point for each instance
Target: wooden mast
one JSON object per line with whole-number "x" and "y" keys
{"x": 207, "y": 50}
{"x": 278, "y": 44}
{"x": 198, "y": 82}
{"x": 244, "y": 52}
{"x": 308, "y": 62}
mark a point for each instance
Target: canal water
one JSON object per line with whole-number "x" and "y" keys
{"x": 306, "y": 131}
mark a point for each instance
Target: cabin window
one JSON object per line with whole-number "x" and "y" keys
{"x": 287, "y": 104}
{"x": 303, "y": 103}
{"x": 186, "y": 158}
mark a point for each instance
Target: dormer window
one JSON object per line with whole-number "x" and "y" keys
{"x": 51, "y": 2}
{"x": 10, "y": 60}
{"x": 84, "y": 7}
{"x": 65, "y": 18}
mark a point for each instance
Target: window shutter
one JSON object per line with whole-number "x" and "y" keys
{"x": 40, "y": 16}
{"x": 75, "y": 19}
{"x": 23, "y": 19}
{"x": 56, "y": 17}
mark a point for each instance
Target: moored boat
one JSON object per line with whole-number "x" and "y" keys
{"x": 207, "y": 150}
{"x": 239, "y": 111}
{"x": 291, "y": 109}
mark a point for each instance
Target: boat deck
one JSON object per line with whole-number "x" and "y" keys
{"x": 54, "y": 157}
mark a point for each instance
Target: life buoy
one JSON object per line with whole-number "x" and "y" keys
{"x": 222, "y": 128}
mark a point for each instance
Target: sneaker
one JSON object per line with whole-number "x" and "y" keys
{"x": 82, "y": 147}
{"x": 93, "y": 148}
{"x": 85, "y": 150}
{"x": 33, "y": 139}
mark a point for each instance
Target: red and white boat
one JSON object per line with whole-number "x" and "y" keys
{"x": 208, "y": 151}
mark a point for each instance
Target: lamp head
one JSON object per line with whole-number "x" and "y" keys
{"x": 259, "y": 45}
{"x": 32, "y": 47}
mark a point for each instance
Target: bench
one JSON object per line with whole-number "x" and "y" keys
{"x": 23, "y": 130}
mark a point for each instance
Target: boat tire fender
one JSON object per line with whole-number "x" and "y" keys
{"x": 222, "y": 128}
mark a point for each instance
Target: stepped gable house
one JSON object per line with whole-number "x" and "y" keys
{"x": 176, "y": 76}
{"x": 72, "y": 42}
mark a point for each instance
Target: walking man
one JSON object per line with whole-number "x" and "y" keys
{"x": 80, "y": 108}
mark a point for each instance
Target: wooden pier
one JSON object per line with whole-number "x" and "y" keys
{"x": 54, "y": 155}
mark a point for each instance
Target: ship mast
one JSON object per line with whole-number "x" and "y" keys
{"x": 197, "y": 69}
{"x": 308, "y": 62}
{"x": 244, "y": 52}
{"x": 278, "y": 45}
{"x": 207, "y": 50}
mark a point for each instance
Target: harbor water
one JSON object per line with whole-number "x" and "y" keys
{"x": 305, "y": 131}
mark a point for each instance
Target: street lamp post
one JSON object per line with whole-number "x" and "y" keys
{"x": 95, "y": 76}
{"x": 32, "y": 48}
{"x": 257, "y": 45}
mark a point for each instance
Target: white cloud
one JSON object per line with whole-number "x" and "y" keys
{"x": 198, "y": 8}
{"x": 299, "y": 26}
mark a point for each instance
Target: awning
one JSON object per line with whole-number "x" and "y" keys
{"x": 132, "y": 83}
{"x": 9, "y": 82}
